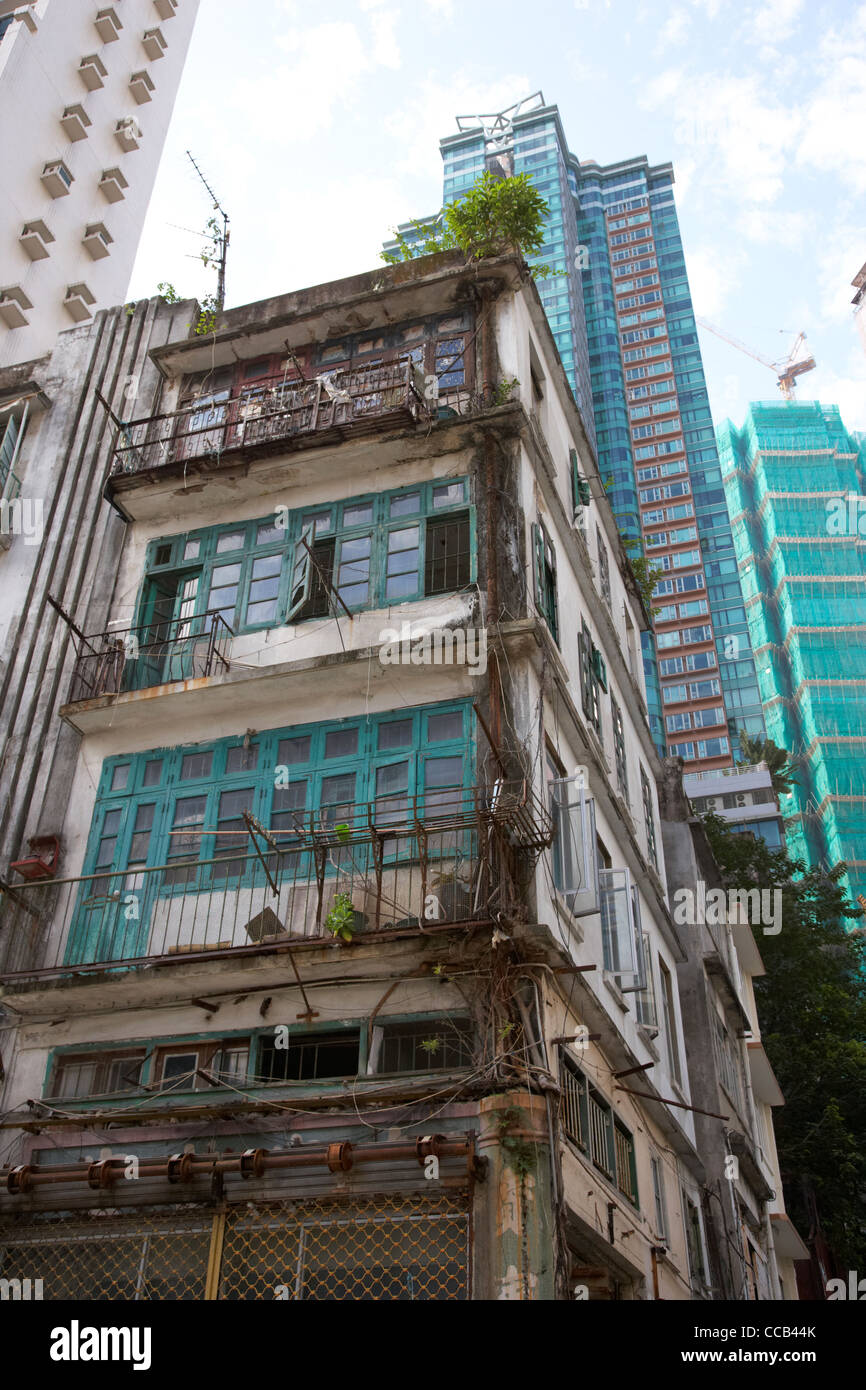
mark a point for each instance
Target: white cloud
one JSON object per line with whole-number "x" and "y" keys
{"x": 740, "y": 132}
{"x": 714, "y": 275}
{"x": 770, "y": 226}
{"x": 775, "y": 20}
{"x": 835, "y": 112}
{"x": 386, "y": 50}
{"x": 444, "y": 8}
{"x": 674, "y": 31}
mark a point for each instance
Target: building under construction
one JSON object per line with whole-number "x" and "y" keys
{"x": 794, "y": 479}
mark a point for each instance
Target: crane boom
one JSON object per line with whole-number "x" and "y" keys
{"x": 787, "y": 370}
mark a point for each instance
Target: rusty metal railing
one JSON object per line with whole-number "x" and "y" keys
{"x": 136, "y": 658}
{"x": 275, "y": 413}
{"x": 432, "y": 860}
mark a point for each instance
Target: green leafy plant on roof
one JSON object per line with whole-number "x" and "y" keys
{"x": 492, "y": 217}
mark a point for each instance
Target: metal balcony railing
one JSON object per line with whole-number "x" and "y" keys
{"x": 272, "y": 414}
{"x": 136, "y": 658}
{"x": 421, "y": 862}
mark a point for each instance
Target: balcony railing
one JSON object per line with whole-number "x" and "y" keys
{"x": 112, "y": 663}
{"x": 433, "y": 859}
{"x": 274, "y": 415}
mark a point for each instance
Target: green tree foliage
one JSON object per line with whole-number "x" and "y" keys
{"x": 491, "y": 217}
{"x": 812, "y": 1012}
{"x": 646, "y": 574}
{"x": 759, "y": 750}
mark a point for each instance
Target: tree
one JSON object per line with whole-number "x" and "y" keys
{"x": 780, "y": 766}
{"x": 812, "y": 1011}
{"x": 492, "y": 216}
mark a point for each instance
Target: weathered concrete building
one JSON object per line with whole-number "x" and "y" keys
{"x": 341, "y": 964}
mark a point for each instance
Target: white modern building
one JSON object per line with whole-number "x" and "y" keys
{"x": 88, "y": 92}
{"x": 743, "y": 796}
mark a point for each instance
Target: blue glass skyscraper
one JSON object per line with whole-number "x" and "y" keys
{"x": 619, "y": 307}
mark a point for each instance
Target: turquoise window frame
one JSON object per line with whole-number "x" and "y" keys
{"x": 378, "y": 527}
{"x": 214, "y": 779}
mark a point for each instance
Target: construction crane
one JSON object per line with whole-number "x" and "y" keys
{"x": 787, "y": 369}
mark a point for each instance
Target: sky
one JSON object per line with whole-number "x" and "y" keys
{"x": 318, "y": 128}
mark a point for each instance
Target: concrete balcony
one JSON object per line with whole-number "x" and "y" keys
{"x": 281, "y": 416}
{"x": 397, "y": 866}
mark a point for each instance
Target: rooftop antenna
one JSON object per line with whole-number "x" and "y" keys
{"x": 222, "y": 239}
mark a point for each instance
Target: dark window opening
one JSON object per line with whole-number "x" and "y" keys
{"x": 448, "y": 561}
{"x": 310, "y": 1056}
{"x": 437, "y": 1046}
{"x": 318, "y": 605}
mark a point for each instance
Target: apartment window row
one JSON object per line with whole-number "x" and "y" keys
{"x": 692, "y": 690}
{"x": 651, "y": 451}
{"x": 633, "y": 301}
{"x": 680, "y": 536}
{"x": 589, "y": 1122}
{"x": 665, "y": 492}
{"x": 681, "y": 559}
{"x": 371, "y": 551}
{"x": 662, "y": 407}
{"x": 652, "y": 369}
{"x": 660, "y": 427}
{"x": 654, "y": 388}
{"x": 677, "y": 513}
{"x": 640, "y": 335}
{"x": 695, "y": 719}
{"x": 686, "y": 636}
{"x": 187, "y": 803}
{"x": 726, "y": 1059}
{"x": 703, "y": 748}
{"x": 680, "y": 584}
{"x": 642, "y": 235}
{"x": 635, "y": 261}
{"x": 678, "y": 665}
{"x": 638, "y": 282}
{"x": 670, "y": 612}
{"x": 262, "y": 1058}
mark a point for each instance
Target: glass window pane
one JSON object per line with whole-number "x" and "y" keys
{"x": 393, "y": 778}
{"x": 269, "y": 532}
{"x": 196, "y": 765}
{"x": 356, "y": 549}
{"x": 443, "y": 772}
{"x": 120, "y": 778}
{"x": 341, "y": 743}
{"x": 153, "y": 772}
{"x": 321, "y": 521}
{"x": 232, "y": 540}
{"x": 445, "y": 726}
{"x": 267, "y": 565}
{"x": 242, "y": 759}
{"x": 406, "y": 505}
{"x": 357, "y": 513}
{"x": 293, "y": 750}
{"x": 449, "y": 494}
{"x": 402, "y": 585}
{"x": 192, "y": 550}
{"x": 396, "y": 734}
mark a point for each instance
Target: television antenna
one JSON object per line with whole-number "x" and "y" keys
{"x": 222, "y": 238}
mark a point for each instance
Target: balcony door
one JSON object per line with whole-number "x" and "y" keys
{"x": 173, "y": 642}
{"x": 112, "y": 914}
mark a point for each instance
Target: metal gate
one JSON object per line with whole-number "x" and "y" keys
{"x": 379, "y": 1248}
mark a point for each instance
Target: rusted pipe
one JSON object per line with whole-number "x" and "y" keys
{"x": 340, "y": 1156}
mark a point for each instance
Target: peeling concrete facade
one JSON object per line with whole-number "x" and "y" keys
{"x": 448, "y": 918}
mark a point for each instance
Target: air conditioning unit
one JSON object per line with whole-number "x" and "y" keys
{"x": 154, "y": 44}
{"x": 108, "y": 26}
{"x": 127, "y": 133}
{"x": 113, "y": 185}
{"x": 166, "y": 9}
{"x": 75, "y": 121}
{"x": 35, "y": 239}
{"x": 98, "y": 241}
{"x": 13, "y": 306}
{"x": 92, "y": 72}
{"x": 78, "y": 302}
{"x": 57, "y": 178}
{"x": 142, "y": 86}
